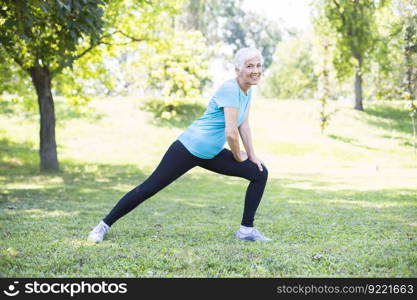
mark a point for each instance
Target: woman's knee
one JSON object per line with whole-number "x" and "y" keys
{"x": 261, "y": 175}
{"x": 264, "y": 175}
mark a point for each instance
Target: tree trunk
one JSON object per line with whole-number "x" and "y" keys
{"x": 41, "y": 79}
{"x": 358, "y": 84}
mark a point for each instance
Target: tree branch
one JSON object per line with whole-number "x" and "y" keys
{"x": 100, "y": 42}
{"x": 340, "y": 14}
{"x": 132, "y": 38}
{"x": 73, "y": 58}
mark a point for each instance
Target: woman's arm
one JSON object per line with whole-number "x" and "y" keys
{"x": 232, "y": 133}
{"x": 246, "y": 136}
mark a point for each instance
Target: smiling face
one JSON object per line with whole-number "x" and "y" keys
{"x": 250, "y": 72}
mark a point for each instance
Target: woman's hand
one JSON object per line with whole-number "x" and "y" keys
{"x": 258, "y": 162}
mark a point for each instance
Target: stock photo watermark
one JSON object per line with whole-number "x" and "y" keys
{"x": 71, "y": 289}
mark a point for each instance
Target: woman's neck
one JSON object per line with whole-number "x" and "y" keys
{"x": 243, "y": 87}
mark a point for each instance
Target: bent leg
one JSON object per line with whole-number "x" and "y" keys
{"x": 176, "y": 161}
{"x": 224, "y": 163}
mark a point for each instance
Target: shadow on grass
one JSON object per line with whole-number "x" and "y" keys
{"x": 18, "y": 158}
{"x": 350, "y": 141}
{"x": 390, "y": 117}
{"x": 74, "y": 182}
{"x": 93, "y": 189}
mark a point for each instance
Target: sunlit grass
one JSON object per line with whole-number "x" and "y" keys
{"x": 349, "y": 194}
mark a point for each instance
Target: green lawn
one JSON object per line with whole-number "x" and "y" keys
{"x": 349, "y": 195}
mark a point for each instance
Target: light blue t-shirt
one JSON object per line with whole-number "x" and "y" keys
{"x": 206, "y": 136}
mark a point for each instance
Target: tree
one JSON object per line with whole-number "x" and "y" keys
{"x": 397, "y": 60}
{"x": 42, "y": 38}
{"x": 46, "y": 37}
{"x": 324, "y": 48}
{"x": 355, "y": 38}
{"x": 387, "y": 63}
{"x": 324, "y": 85}
{"x": 181, "y": 73}
{"x": 225, "y": 21}
{"x": 248, "y": 29}
{"x": 409, "y": 9}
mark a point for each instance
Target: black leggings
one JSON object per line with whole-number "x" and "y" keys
{"x": 177, "y": 161}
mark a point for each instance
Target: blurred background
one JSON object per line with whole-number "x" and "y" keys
{"x": 172, "y": 54}
{"x": 93, "y": 92}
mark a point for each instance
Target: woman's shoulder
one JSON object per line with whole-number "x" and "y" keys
{"x": 228, "y": 85}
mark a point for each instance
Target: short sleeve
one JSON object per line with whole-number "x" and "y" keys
{"x": 227, "y": 95}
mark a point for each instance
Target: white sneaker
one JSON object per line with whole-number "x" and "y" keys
{"x": 253, "y": 235}
{"x": 97, "y": 234}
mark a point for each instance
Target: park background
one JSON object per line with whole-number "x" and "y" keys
{"x": 93, "y": 92}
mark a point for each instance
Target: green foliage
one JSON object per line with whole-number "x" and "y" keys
{"x": 47, "y": 33}
{"x": 383, "y": 30}
{"x": 88, "y": 77}
{"x": 351, "y": 25}
{"x": 203, "y": 16}
{"x": 352, "y": 21}
{"x": 387, "y": 77}
{"x": 179, "y": 112}
{"x": 17, "y": 93}
{"x": 181, "y": 72}
{"x": 292, "y": 73}
{"x": 248, "y": 29}
{"x": 225, "y": 21}
{"x": 130, "y": 27}
{"x": 75, "y": 45}
{"x": 14, "y": 80}
{"x": 140, "y": 20}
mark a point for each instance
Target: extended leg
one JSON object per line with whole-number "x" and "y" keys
{"x": 175, "y": 163}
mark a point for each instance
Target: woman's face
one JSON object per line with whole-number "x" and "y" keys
{"x": 250, "y": 72}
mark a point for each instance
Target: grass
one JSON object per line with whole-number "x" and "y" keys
{"x": 349, "y": 195}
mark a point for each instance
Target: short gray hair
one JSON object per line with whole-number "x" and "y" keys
{"x": 245, "y": 54}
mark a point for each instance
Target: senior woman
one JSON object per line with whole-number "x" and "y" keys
{"x": 201, "y": 144}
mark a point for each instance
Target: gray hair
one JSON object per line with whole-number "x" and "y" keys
{"x": 245, "y": 54}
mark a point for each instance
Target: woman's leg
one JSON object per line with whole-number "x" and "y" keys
{"x": 224, "y": 163}
{"x": 176, "y": 161}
